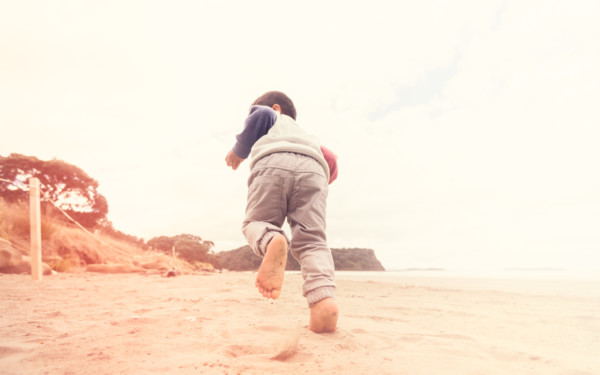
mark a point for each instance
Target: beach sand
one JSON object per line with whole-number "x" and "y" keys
{"x": 218, "y": 324}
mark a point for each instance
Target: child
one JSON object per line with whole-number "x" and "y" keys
{"x": 290, "y": 172}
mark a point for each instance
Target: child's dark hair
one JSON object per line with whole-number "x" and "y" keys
{"x": 277, "y": 97}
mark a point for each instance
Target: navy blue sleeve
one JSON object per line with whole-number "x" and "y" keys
{"x": 259, "y": 121}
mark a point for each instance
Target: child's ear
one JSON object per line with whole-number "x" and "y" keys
{"x": 276, "y": 107}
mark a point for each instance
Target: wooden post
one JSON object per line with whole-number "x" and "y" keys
{"x": 35, "y": 225}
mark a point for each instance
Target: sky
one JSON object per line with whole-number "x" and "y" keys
{"x": 466, "y": 131}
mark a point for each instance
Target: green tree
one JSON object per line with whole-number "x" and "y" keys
{"x": 65, "y": 184}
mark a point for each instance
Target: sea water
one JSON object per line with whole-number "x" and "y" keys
{"x": 559, "y": 283}
{"x": 519, "y": 273}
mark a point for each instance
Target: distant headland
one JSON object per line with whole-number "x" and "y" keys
{"x": 354, "y": 259}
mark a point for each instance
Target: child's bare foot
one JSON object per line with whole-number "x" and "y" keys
{"x": 270, "y": 274}
{"x": 324, "y": 316}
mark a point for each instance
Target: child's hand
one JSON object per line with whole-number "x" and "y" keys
{"x": 233, "y": 160}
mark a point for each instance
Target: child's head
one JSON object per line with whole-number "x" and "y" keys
{"x": 277, "y": 97}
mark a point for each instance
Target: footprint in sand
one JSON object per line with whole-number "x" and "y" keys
{"x": 281, "y": 348}
{"x": 235, "y": 351}
{"x": 288, "y": 347}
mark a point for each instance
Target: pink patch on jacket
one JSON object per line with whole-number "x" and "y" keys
{"x": 331, "y": 159}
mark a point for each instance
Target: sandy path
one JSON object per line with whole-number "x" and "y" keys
{"x": 219, "y": 324}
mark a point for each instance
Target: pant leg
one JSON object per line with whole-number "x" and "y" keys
{"x": 266, "y": 207}
{"x": 307, "y": 218}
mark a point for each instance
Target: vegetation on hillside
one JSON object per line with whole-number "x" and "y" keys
{"x": 68, "y": 186}
{"x": 66, "y": 248}
{"x": 186, "y": 246}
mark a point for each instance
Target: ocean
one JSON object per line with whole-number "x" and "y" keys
{"x": 536, "y": 281}
{"x": 518, "y": 273}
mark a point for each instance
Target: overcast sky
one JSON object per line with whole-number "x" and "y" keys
{"x": 467, "y": 131}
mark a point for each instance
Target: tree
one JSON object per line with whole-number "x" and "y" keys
{"x": 187, "y": 246}
{"x": 62, "y": 183}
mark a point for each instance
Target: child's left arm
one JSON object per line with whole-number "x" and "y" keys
{"x": 259, "y": 121}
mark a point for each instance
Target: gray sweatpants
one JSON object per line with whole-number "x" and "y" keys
{"x": 295, "y": 186}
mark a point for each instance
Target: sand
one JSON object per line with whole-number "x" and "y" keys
{"x": 218, "y": 324}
